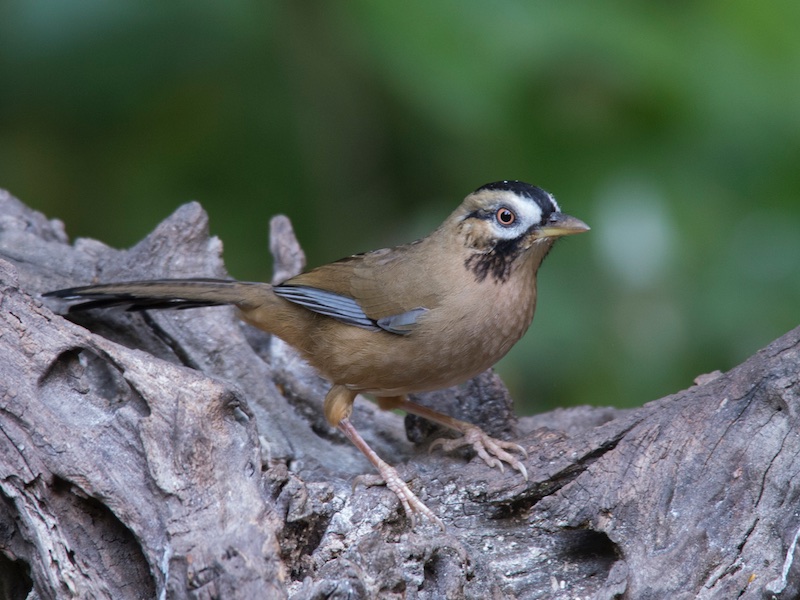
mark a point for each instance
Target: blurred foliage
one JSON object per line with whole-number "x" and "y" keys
{"x": 672, "y": 128}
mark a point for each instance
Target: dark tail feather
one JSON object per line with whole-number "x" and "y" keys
{"x": 163, "y": 293}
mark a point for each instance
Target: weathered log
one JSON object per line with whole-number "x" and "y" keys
{"x": 183, "y": 454}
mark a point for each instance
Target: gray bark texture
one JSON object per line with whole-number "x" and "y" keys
{"x": 183, "y": 454}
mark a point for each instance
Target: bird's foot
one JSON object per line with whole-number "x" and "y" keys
{"x": 492, "y": 451}
{"x": 412, "y": 505}
{"x": 408, "y": 499}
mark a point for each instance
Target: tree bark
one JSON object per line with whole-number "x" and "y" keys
{"x": 183, "y": 454}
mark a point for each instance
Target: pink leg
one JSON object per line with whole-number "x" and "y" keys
{"x": 411, "y": 504}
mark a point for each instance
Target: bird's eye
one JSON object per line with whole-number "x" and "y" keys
{"x": 505, "y": 217}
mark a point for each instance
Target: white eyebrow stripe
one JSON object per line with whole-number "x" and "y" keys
{"x": 528, "y": 212}
{"x": 553, "y": 200}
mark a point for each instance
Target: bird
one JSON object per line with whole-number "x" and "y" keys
{"x": 417, "y": 317}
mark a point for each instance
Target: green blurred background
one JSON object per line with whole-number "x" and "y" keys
{"x": 673, "y": 129}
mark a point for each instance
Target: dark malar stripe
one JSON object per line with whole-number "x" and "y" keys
{"x": 496, "y": 263}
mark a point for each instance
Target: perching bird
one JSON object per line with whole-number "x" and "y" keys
{"x": 414, "y": 318}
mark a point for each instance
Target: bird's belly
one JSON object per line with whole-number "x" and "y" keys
{"x": 407, "y": 375}
{"x": 441, "y": 353}
{"x": 414, "y": 380}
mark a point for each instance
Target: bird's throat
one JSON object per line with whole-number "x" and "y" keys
{"x": 499, "y": 262}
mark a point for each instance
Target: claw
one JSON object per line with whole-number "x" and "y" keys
{"x": 490, "y": 450}
{"x": 411, "y": 504}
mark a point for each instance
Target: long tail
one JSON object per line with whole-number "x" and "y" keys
{"x": 167, "y": 293}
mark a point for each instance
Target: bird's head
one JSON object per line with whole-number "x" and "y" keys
{"x": 503, "y": 221}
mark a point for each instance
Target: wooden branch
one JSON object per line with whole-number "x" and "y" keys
{"x": 183, "y": 454}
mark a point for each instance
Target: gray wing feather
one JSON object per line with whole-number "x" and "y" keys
{"x": 402, "y": 324}
{"x": 347, "y": 310}
{"x": 327, "y": 303}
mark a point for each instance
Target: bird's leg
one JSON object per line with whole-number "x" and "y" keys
{"x": 411, "y": 504}
{"x": 338, "y": 406}
{"x": 491, "y": 450}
